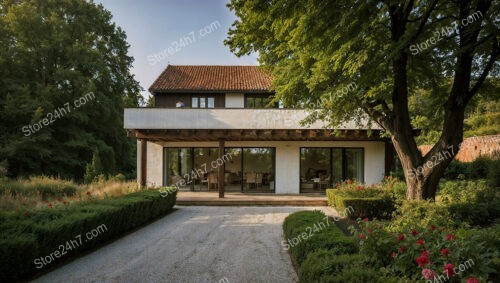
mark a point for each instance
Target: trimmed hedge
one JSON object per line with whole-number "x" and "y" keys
{"x": 327, "y": 240}
{"x": 381, "y": 206}
{"x": 327, "y": 236}
{"x": 322, "y": 263}
{"x": 22, "y": 240}
{"x": 361, "y": 274}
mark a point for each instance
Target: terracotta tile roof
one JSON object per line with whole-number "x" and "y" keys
{"x": 212, "y": 78}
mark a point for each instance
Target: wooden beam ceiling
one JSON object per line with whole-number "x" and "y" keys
{"x": 254, "y": 135}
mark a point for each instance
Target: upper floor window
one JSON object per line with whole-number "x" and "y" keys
{"x": 202, "y": 102}
{"x": 258, "y": 101}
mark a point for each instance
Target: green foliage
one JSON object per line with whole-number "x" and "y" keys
{"x": 93, "y": 169}
{"x": 355, "y": 274}
{"x": 322, "y": 263}
{"x": 24, "y": 239}
{"x": 316, "y": 49}
{"x": 420, "y": 214}
{"x": 473, "y": 202}
{"x": 375, "y": 201}
{"x": 53, "y": 53}
{"x": 411, "y": 250}
{"x": 477, "y": 169}
{"x": 483, "y": 118}
{"x": 494, "y": 174}
{"x": 304, "y": 234}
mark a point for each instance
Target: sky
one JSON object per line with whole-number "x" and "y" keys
{"x": 154, "y": 26}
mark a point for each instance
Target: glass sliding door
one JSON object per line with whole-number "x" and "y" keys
{"x": 337, "y": 161}
{"x": 321, "y": 168}
{"x": 196, "y": 169}
{"x": 354, "y": 164}
{"x": 233, "y": 176}
{"x": 178, "y": 167}
{"x": 204, "y": 174}
{"x": 315, "y": 169}
{"x": 258, "y": 169}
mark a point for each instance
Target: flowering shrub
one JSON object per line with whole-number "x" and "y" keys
{"x": 426, "y": 253}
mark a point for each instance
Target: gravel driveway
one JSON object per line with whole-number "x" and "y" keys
{"x": 193, "y": 244}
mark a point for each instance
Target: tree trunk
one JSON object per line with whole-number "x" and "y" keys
{"x": 422, "y": 173}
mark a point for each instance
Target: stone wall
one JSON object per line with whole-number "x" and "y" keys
{"x": 474, "y": 147}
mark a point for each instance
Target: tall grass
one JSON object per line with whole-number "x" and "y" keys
{"x": 46, "y": 186}
{"x": 110, "y": 188}
{"x": 25, "y": 196}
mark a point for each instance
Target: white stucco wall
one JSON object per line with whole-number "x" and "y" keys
{"x": 154, "y": 177}
{"x": 235, "y": 100}
{"x": 287, "y": 159}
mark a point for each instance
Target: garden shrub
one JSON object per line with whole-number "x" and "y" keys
{"x": 322, "y": 263}
{"x": 474, "y": 202}
{"x": 477, "y": 169}
{"x": 356, "y": 274}
{"x": 423, "y": 253}
{"x": 494, "y": 174}
{"x": 375, "y": 201}
{"x": 45, "y": 230}
{"x": 304, "y": 234}
{"x": 418, "y": 214}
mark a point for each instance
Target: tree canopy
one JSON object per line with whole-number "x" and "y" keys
{"x": 393, "y": 51}
{"x": 64, "y": 67}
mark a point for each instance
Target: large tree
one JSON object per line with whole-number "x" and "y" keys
{"x": 390, "y": 50}
{"x": 53, "y": 53}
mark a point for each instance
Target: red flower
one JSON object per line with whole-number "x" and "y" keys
{"x": 425, "y": 253}
{"x": 393, "y": 255}
{"x": 365, "y": 219}
{"x": 369, "y": 231}
{"x": 472, "y": 280}
{"x": 401, "y": 237}
{"x": 445, "y": 252}
{"x": 49, "y": 205}
{"x": 401, "y": 250}
{"x": 65, "y": 203}
{"x": 428, "y": 274}
{"x": 58, "y": 199}
{"x": 433, "y": 227}
{"x": 422, "y": 261}
{"x": 362, "y": 236}
{"x": 450, "y": 237}
{"x": 46, "y": 201}
{"x": 349, "y": 182}
{"x": 420, "y": 241}
{"x": 448, "y": 269}
{"x": 414, "y": 232}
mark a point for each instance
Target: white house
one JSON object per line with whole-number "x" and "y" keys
{"x": 210, "y": 129}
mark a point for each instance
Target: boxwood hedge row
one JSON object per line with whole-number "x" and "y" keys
{"x": 380, "y": 207}
{"x": 328, "y": 255}
{"x": 24, "y": 239}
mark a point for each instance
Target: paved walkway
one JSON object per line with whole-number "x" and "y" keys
{"x": 193, "y": 244}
